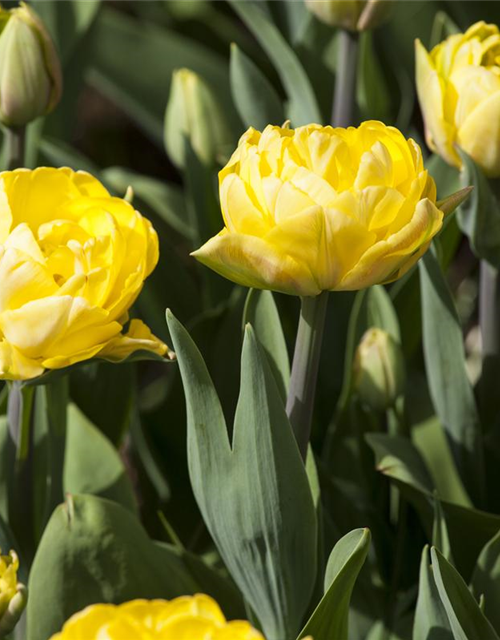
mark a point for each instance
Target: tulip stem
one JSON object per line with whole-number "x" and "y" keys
{"x": 489, "y": 322}
{"x": 302, "y": 389}
{"x": 345, "y": 81}
{"x": 16, "y": 141}
{"x": 20, "y": 424}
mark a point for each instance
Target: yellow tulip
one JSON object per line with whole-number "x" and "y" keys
{"x": 318, "y": 208}
{"x": 189, "y": 617}
{"x": 458, "y": 86}
{"x": 355, "y": 15}
{"x": 73, "y": 260}
{"x": 13, "y": 595}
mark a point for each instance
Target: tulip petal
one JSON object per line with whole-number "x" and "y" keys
{"x": 253, "y": 262}
{"x": 479, "y": 135}
{"x": 22, "y": 280}
{"x": 440, "y": 134}
{"x": 398, "y": 253}
{"x": 329, "y": 241}
{"x": 15, "y": 366}
{"x": 139, "y": 337}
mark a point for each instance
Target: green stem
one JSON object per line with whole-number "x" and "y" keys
{"x": 345, "y": 82}
{"x": 302, "y": 390}
{"x": 489, "y": 309}
{"x": 16, "y": 140}
{"x": 20, "y": 422}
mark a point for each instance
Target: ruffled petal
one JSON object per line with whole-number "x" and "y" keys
{"x": 254, "y": 262}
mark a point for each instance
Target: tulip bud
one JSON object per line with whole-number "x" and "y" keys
{"x": 193, "y": 113}
{"x": 30, "y": 73}
{"x": 355, "y": 15}
{"x": 13, "y": 595}
{"x": 378, "y": 369}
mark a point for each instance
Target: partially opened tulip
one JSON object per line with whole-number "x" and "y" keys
{"x": 355, "y": 15}
{"x": 73, "y": 260}
{"x": 190, "y": 617}
{"x": 318, "y": 208}
{"x": 458, "y": 86}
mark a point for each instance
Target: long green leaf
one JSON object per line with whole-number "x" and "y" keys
{"x": 254, "y": 96}
{"x": 449, "y": 386}
{"x": 261, "y": 312}
{"x": 330, "y": 619}
{"x": 255, "y": 499}
{"x": 486, "y": 580}
{"x": 430, "y": 616}
{"x": 479, "y": 216}
{"x": 93, "y": 465}
{"x": 467, "y": 621}
{"x": 123, "y": 48}
{"x": 303, "y": 106}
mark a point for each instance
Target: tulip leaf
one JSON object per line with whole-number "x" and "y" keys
{"x": 303, "y": 107}
{"x": 449, "y": 385}
{"x": 479, "y": 216}
{"x": 468, "y": 529}
{"x": 430, "y": 616}
{"x": 94, "y": 550}
{"x": 467, "y": 621}
{"x": 261, "y": 312}
{"x": 330, "y": 618}
{"x": 92, "y": 464}
{"x": 486, "y": 580}
{"x": 254, "y": 497}
{"x": 124, "y": 47}
{"x": 397, "y": 457}
{"x": 254, "y": 96}
{"x": 381, "y": 312}
{"x": 440, "y": 537}
{"x": 68, "y": 22}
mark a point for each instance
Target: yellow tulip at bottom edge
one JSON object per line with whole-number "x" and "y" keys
{"x": 196, "y": 617}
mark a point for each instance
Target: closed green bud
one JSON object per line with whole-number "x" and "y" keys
{"x": 355, "y": 15}
{"x": 30, "y": 73}
{"x": 379, "y": 375}
{"x": 194, "y": 113}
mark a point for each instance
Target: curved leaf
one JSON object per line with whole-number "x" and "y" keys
{"x": 330, "y": 619}
{"x": 303, "y": 106}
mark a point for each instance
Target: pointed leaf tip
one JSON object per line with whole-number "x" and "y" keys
{"x": 449, "y": 204}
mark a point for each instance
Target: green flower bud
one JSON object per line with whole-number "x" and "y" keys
{"x": 379, "y": 375}
{"x": 194, "y": 113}
{"x": 30, "y": 73}
{"x": 355, "y": 15}
{"x": 13, "y": 595}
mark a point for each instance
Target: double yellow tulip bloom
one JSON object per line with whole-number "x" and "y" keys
{"x": 458, "y": 86}
{"x": 73, "y": 259}
{"x": 318, "y": 208}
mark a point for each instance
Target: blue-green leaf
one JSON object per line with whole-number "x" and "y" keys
{"x": 467, "y": 621}
{"x": 261, "y": 312}
{"x": 430, "y": 615}
{"x": 330, "y": 619}
{"x": 486, "y": 580}
{"x": 479, "y": 216}
{"x": 303, "y": 108}
{"x": 255, "y": 498}
{"x": 254, "y": 96}
{"x": 449, "y": 385}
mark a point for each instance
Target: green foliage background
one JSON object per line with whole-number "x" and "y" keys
{"x": 126, "y": 457}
